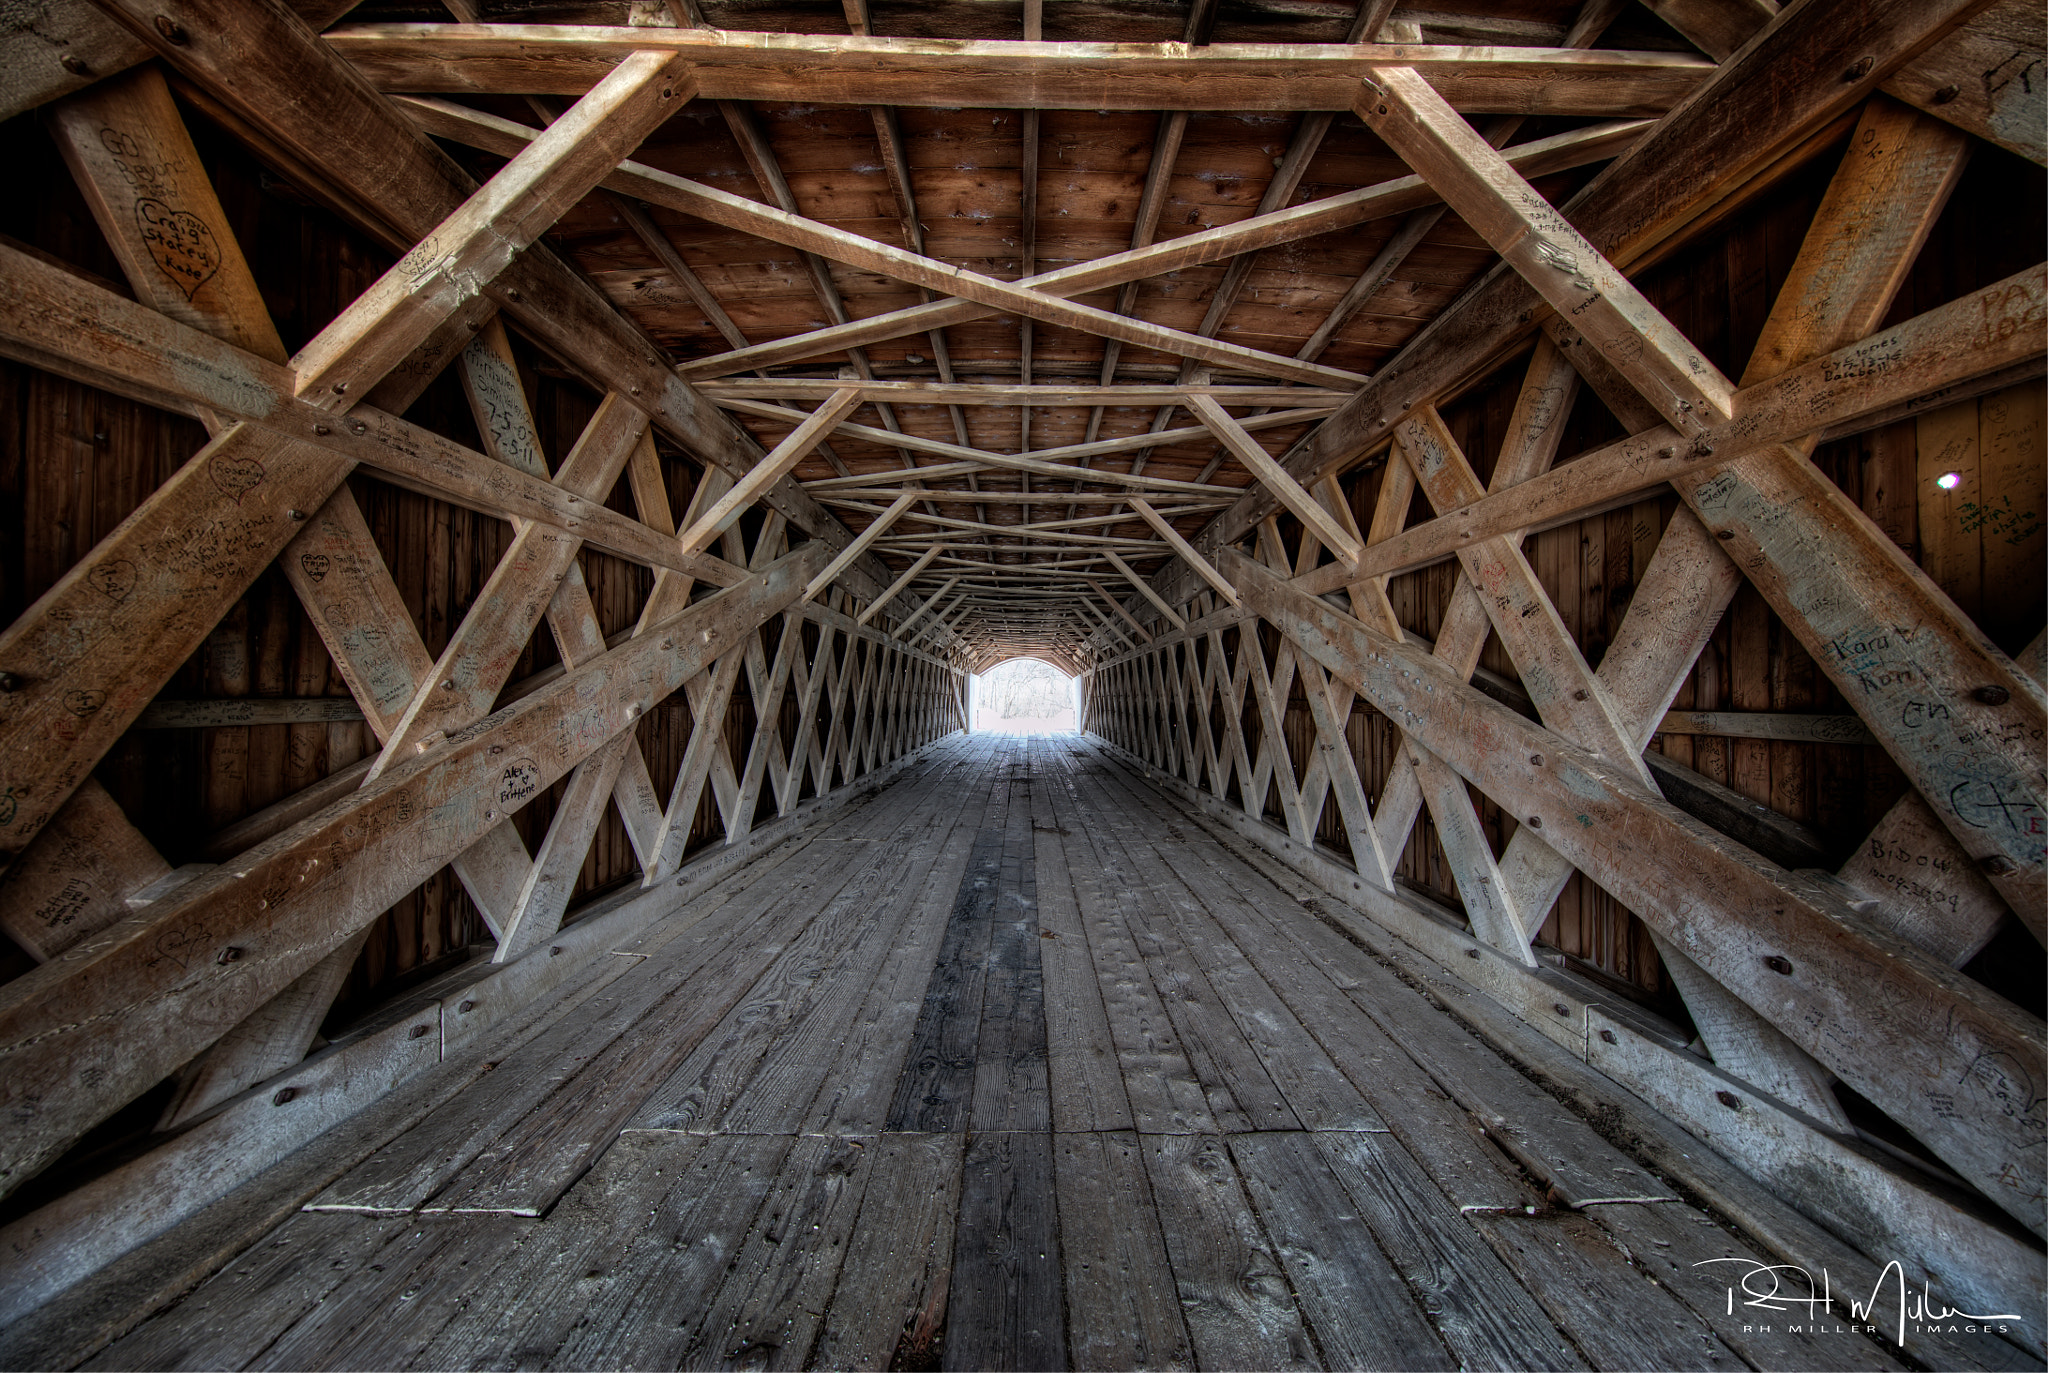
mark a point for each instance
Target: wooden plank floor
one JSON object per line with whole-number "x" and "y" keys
{"x": 1011, "y": 1066}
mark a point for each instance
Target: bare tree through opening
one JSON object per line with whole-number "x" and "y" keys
{"x": 1024, "y": 696}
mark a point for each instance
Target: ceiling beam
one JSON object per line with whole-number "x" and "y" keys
{"x": 982, "y": 74}
{"x": 1689, "y": 164}
{"x": 1538, "y": 157}
{"x": 817, "y": 241}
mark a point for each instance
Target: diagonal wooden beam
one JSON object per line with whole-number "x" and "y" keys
{"x": 66, "y": 325}
{"x": 784, "y": 225}
{"x": 265, "y": 70}
{"x": 919, "y": 613}
{"x": 470, "y": 248}
{"x": 1265, "y": 469}
{"x": 74, "y": 878}
{"x": 1543, "y": 246}
{"x": 239, "y": 936}
{"x": 1917, "y": 361}
{"x": 1574, "y": 701}
{"x": 1593, "y": 19}
{"x": 485, "y": 647}
{"x": 649, "y": 233}
{"x": 1705, "y": 152}
{"x": 1957, "y": 80}
{"x": 1186, "y": 550}
{"x": 1173, "y": 617}
{"x": 810, "y": 682}
{"x": 1947, "y": 704}
{"x": 1536, "y": 158}
{"x": 895, "y": 588}
{"x": 1117, "y": 606}
{"x": 358, "y": 613}
{"x": 1898, "y": 1026}
{"x": 877, "y": 526}
{"x": 771, "y": 469}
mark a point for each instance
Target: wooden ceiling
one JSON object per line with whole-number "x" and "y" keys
{"x": 990, "y": 154}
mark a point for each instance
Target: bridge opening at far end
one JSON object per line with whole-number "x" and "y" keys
{"x": 1023, "y": 696}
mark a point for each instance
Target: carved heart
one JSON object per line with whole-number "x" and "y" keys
{"x": 180, "y": 243}
{"x": 177, "y": 945}
{"x": 314, "y": 565}
{"x": 84, "y": 703}
{"x": 114, "y": 579}
{"x": 235, "y": 475}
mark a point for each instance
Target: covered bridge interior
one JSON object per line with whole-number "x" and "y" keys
{"x": 501, "y": 511}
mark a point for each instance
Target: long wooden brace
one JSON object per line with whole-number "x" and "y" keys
{"x": 470, "y": 248}
{"x": 166, "y": 983}
{"x": 1954, "y": 1063}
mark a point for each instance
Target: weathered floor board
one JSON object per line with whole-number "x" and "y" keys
{"x": 1010, "y": 1066}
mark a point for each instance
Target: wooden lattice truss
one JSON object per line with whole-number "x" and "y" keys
{"x": 1793, "y": 978}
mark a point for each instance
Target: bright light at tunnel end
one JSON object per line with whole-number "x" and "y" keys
{"x": 1023, "y": 695}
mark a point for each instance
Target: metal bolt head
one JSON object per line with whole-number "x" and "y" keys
{"x": 229, "y": 955}
{"x": 172, "y": 31}
{"x": 1729, "y": 1099}
{"x": 1535, "y": 822}
{"x": 1561, "y": 1008}
{"x": 1536, "y": 760}
{"x": 1607, "y": 1037}
{"x": 1780, "y": 965}
{"x": 284, "y": 1094}
{"x": 1946, "y": 94}
{"x": 1991, "y": 695}
{"x": 74, "y": 64}
{"x": 1997, "y": 865}
{"x": 1858, "y": 69}
{"x": 295, "y": 514}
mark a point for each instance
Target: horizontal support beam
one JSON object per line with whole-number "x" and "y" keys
{"x": 860, "y": 497}
{"x": 781, "y": 224}
{"x": 1043, "y": 394}
{"x": 973, "y": 460}
{"x": 1540, "y": 157}
{"x": 539, "y": 59}
{"x": 1732, "y": 724}
{"x": 1809, "y": 73}
{"x": 249, "y": 710}
{"x": 64, "y": 324}
{"x": 1919, "y": 360}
